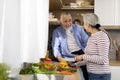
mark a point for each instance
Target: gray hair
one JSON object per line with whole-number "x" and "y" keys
{"x": 91, "y": 19}
{"x": 65, "y": 14}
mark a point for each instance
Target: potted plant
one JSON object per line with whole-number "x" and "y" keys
{"x": 3, "y": 71}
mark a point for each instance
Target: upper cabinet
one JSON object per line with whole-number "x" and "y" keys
{"x": 75, "y": 4}
{"x": 108, "y": 11}
{"x": 117, "y": 12}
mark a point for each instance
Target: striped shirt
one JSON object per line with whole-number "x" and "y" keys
{"x": 96, "y": 53}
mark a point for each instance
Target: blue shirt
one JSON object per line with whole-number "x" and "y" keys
{"x": 59, "y": 40}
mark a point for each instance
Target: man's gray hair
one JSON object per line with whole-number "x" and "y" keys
{"x": 65, "y": 14}
{"x": 91, "y": 19}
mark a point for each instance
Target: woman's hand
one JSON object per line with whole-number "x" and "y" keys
{"x": 79, "y": 58}
{"x": 71, "y": 64}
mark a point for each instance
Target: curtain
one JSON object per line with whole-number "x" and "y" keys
{"x": 23, "y": 31}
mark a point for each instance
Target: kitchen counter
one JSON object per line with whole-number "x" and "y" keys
{"x": 74, "y": 76}
{"x": 114, "y": 63}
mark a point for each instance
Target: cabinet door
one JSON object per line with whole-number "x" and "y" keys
{"x": 117, "y": 12}
{"x": 105, "y": 9}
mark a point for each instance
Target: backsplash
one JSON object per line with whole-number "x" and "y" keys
{"x": 115, "y": 35}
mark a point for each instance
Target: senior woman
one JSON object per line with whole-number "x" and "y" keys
{"x": 96, "y": 51}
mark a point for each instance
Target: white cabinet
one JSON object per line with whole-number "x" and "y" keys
{"x": 117, "y": 12}
{"x": 115, "y": 71}
{"x": 108, "y": 11}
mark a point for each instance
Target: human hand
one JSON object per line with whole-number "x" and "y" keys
{"x": 79, "y": 58}
{"x": 60, "y": 58}
{"x": 71, "y": 64}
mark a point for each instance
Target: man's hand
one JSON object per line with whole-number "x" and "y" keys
{"x": 60, "y": 58}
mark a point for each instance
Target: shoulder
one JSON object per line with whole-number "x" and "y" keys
{"x": 101, "y": 36}
{"x": 59, "y": 28}
{"x": 77, "y": 27}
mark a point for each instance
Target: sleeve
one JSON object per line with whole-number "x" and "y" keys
{"x": 84, "y": 37}
{"x": 56, "y": 43}
{"x": 80, "y": 63}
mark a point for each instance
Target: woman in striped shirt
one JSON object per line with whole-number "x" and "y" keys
{"x": 96, "y": 51}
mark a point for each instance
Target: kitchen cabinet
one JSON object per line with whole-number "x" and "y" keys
{"x": 117, "y": 12}
{"x": 115, "y": 71}
{"x": 108, "y": 11}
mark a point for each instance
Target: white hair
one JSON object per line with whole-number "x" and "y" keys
{"x": 65, "y": 14}
{"x": 91, "y": 19}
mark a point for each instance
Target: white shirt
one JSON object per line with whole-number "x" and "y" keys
{"x": 72, "y": 45}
